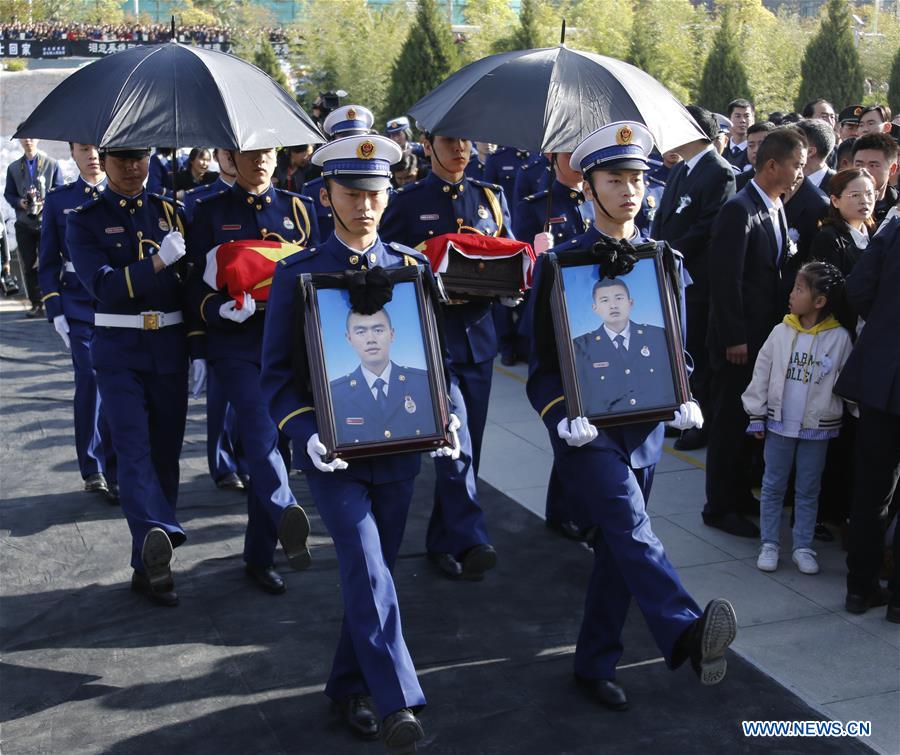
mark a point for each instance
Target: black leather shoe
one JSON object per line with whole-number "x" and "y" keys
{"x": 356, "y": 711}
{"x": 823, "y": 534}
{"x": 860, "y": 603}
{"x": 230, "y": 482}
{"x": 478, "y": 560}
{"x": 293, "y": 531}
{"x": 156, "y": 555}
{"x": 35, "y": 311}
{"x": 604, "y": 691}
{"x": 164, "y": 595}
{"x": 267, "y": 578}
{"x": 568, "y": 529}
{"x": 446, "y": 564}
{"x": 96, "y": 483}
{"x": 691, "y": 440}
{"x": 707, "y": 639}
{"x": 733, "y": 524}
{"x": 893, "y": 613}
{"x": 112, "y": 495}
{"x": 401, "y": 731}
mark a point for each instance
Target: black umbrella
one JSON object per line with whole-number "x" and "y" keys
{"x": 168, "y": 95}
{"x": 549, "y": 99}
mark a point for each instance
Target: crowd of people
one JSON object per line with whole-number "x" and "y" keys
{"x": 126, "y": 32}
{"x": 785, "y": 270}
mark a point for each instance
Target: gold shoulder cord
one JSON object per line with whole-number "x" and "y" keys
{"x": 303, "y": 227}
{"x": 495, "y": 208}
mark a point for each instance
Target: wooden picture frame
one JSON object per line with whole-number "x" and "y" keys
{"x": 608, "y": 380}
{"x": 413, "y": 413}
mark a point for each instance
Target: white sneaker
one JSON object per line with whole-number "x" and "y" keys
{"x": 768, "y": 557}
{"x": 806, "y": 561}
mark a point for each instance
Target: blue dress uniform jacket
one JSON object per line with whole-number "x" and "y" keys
{"x": 234, "y": 215}
{"x": 234, "y": 350}
{"x": 567, "y": 220}
{"x": 364, "y": 507}
{"x": 611, "y": 479}
{"x": 406, "y": 412}
{"x": 141, "y": 374}
{"x": 324, "y": 215}
{"x": 533, "y": 176}
{"x": 64, "y": 295}
{"x": 417, "y": 212}
{"x": 502, "y": 167}
{"x": 201, "y": 192}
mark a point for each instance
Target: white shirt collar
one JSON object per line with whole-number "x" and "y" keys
{"x": 626, "y": 334}
{"x": 371, "y": 377}
{"x": 732, "y": 145}
{"x": 776, "y": 205}
{"x": 690, "y": 164}
{"x": 860, "y": 238}
{"x": 818, "y": 176}
{"x": 356, "y": 251}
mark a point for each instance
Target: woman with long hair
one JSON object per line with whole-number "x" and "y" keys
{"x": 844, "y": 232}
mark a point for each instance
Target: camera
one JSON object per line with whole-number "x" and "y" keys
{"x": 33, "y": 201}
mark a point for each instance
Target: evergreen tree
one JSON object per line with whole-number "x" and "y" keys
{"x": 644, "y": 37}
{"x": 894, "y": 85}
{"x": 527, "y": 36}
{"x": 830, "y": 66}
{"x": 265, "y": 59}
{"x": 724, "y": 77}
{"x": 427, "y": 58}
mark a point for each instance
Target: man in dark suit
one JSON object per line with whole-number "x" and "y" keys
{"x": 749, "y": 248}
{"x": 820, "y": 138}
{"x": 742, "y": 115}
{"x": 804, "y": 207}
{"x": 755, "y": 135}
{"x": 871, "y": 377}
{"x": 379, "y": 399}
{"x": 622, "y": 365}
{"x": 697, "y": 188}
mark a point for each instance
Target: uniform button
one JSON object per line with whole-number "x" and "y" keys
{"x": 329, "y": 214}
{"x": 627, "y": 371}
{"x": 131, "y": 210}
{"x": 572, "y": 195}
{"x": 603, "y": 377}
{"x": 140, "y": 203}
{"x": 249, "y": 200}
{"x": 263, "y": 231}
{"x": 387, "y": 433}
{"x": 372, "y": 257}
{"x": 651, "y": 369}
{"x": 460, "y": 221}
{"x": 122, "y": 203}
{"x": 632, "y": 401}
{"x": 446, "y": 189}
{"x": 430, "y": 232}
{"x": 462, "y": 189}
{"x": 559, "y": 235}
{"x": 268, "y": 200}
{"x": 87, "y": 189}
{"x": 454, "y": 196}
{"x": 140, "y": 234}
{"x": 259, "y": 207}
{"x": 596, "y": 338}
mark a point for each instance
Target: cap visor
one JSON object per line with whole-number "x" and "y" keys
{"x": 364, "y": 183}
{"x": 628, "y": 163}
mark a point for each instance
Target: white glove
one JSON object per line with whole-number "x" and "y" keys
{"x": 172, "y": 248}
{"x": 511, "y": 301}
{"x": 687, "y": 416}
{"x": 198, "y": 376}
{"x": 542, "y": 242}
{"x": 450, "y": 451}
{"x": 62, "y": 327}
{"x": 229, "y": 311}
{"x": 315, "y": 449}
{"x": 579, "y": 432}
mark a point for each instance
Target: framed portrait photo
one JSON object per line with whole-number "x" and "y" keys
{"x": 377, "y": 379}
{"x": 619, "y": 341}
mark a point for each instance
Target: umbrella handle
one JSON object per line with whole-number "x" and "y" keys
{"x": 552, "y": 180}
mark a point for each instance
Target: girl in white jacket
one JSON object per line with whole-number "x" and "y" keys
{"x": 791, "y": 405}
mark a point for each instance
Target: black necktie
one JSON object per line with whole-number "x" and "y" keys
{"x": 620, "y": 343}
{"x": 380, "y": 398}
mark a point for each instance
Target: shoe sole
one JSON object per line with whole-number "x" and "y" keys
{"x": 156, "y": 555}
{"x": 767, "y": 567}
{"x": 403, "y": 738}
{"x": 719, "y": 631}
{"x": 293, "y": 533}
{"x": 477, "y": 564}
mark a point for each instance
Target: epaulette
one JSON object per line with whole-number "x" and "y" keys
{"x": 485, "y": 184}
{"x": 211, "y": 196}
{"x": 92, "y": 202}
{"x": 537, "y": 195}
{"x": 401, "y": 249}
{"x": 409, "y": 187}
{"x": 652, "y": 179}
{"x": 301, "y": 256}
{"x": 287, "y": 193}
{"x": 54, "y": 189}
{"x": 165, "y": 200}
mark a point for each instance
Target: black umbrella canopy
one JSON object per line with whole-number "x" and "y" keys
{"x": 549, "y": 99}
{"x": 169, "y": 95}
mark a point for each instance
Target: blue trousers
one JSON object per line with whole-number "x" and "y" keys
{"x": 366, "y": 522}
{"x": 269, "y": 492}
{"x": 93, "y": 443}
{"x": 629, "y": 560}
{"x": 457, "y": 520}
{"x": 223, "y": 453}
{"x": 146, "y": 413}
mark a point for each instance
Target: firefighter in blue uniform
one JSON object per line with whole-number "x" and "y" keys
{"x": 533, "y": 176}
{"x": 123, "y": 245}
{"x": 224, "y": 459}
{"x": 612, "y": 468}
{"x": 251, "y": 209}
{"x": 653, "y": 191}
{"x": 502, "y": 167}
{"x": 570, "y": 214}
{"x": 363, "y": 504}
{"x": 347, "y": 120}
{"x": 70, "y": 309}
{"x": 446, "y": 201}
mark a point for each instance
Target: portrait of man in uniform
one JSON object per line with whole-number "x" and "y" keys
{"x": 622, "y": 364}
{"x": 381, "y": 397}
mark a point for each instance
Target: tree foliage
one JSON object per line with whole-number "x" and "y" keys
{"x": 265, "y": 59}
{"x": 831, "y": 67}
{"x": 893, "y": 97}
{"x": 428, "y": 56}
{"x": 724, "y": 77}
{"x": 600, "y": 26}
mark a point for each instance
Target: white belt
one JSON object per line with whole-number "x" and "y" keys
{"x": 69, "y": 267}
{"x": 143, "y": 321}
